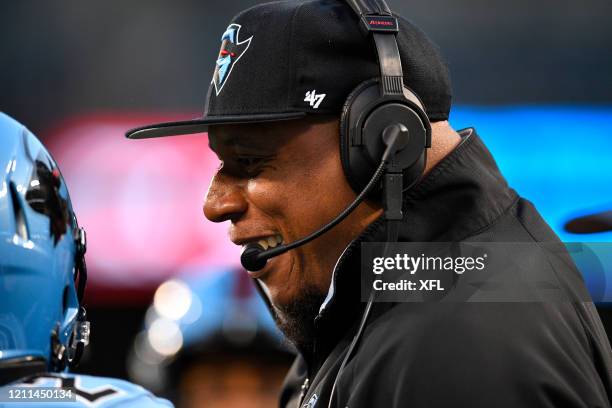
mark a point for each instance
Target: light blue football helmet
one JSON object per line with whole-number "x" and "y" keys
{"x": 42, "y": 267}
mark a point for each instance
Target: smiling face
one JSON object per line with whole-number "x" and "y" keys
{"x": 281, "y": 181}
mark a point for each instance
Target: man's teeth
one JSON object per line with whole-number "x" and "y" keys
{"x": 270, "y": 242}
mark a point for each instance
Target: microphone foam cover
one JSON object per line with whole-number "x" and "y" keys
{"x": 250, "y": 257}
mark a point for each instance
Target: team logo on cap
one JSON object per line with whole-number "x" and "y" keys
{"x": 231, "y": 51}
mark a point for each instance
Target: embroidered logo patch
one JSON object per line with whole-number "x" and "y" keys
{"x": 313, "y": 98}
{"x": 311, "y": 402}
{"x": 231, "y": 51}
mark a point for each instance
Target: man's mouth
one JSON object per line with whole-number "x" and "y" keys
{"x": 271, "y": 241}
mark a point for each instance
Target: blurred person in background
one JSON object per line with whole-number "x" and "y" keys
{"x": 219, "y": 346}
{"x": 43, "y": 326}
{"x": 223, "y": 375}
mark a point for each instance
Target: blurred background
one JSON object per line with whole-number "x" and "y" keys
{"x": 169, "y": 305}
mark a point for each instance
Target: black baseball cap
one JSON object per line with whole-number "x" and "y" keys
{"x": 287, "y": 59}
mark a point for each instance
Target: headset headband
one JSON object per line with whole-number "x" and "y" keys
{"x": 376, "y": 19}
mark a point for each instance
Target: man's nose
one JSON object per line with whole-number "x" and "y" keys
{"x": 225, "y": 200}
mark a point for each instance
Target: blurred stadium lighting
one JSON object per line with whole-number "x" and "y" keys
{"x": 165, "y": 337}
{"x": 172, "y": 299}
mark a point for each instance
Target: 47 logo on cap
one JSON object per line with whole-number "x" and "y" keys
{"x": 313, "y": 98}
{"x": 231, "y": 51}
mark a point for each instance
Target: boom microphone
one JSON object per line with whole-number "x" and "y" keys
{"x": 254, "y": 257}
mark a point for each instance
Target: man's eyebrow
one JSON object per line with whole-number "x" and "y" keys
{"x": 248, "y": 142}
{"x": 230, "y": 140}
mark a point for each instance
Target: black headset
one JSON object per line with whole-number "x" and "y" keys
{"x": 376, "y": 104}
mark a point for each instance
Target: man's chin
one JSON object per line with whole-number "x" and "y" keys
{"x": 295, "y": 316}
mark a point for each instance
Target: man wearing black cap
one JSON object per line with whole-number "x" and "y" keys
{"x": 273, "y": 114}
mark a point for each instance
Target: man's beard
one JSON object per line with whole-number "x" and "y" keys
{"x": 296, "y": 319}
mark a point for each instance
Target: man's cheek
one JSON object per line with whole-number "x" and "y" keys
{"x": 271, "y": 196}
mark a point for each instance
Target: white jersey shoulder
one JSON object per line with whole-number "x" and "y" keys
{"x": 89, "y": 391}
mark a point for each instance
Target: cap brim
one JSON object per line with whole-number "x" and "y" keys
{"x": 201, "y": 125}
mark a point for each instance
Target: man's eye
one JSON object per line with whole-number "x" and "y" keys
{"x": 249, "y": 162}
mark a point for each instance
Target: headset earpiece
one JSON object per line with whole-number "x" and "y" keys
{"x": 365, "y": 115}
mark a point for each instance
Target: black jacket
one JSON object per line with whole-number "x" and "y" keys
{"x": 456, "y": 354}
